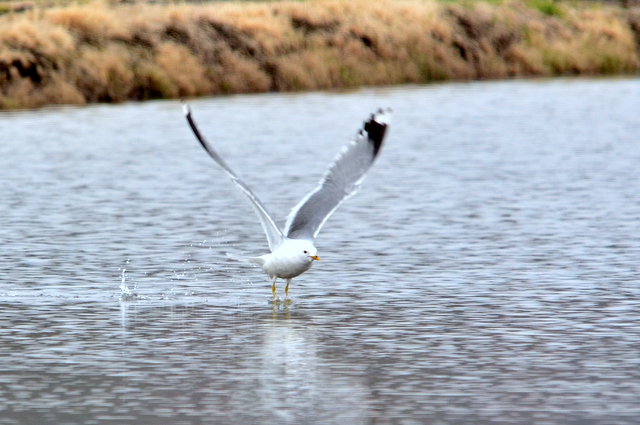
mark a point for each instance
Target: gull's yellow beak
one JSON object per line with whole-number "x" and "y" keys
{"x": 315, "y": 257}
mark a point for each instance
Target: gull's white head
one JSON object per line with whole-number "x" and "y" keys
{"x": 302, "y": 249}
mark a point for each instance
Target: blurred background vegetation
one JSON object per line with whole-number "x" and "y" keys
{"x": 55, "y": 52}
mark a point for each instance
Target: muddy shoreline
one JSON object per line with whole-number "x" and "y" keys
{"x": 112, "y": 53}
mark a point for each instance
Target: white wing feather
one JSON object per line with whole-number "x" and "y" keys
{"x": 274, "y": 235}
{"x": 341, "y": 180}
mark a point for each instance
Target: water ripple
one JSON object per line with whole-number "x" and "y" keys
{"x": 486, "y": 273}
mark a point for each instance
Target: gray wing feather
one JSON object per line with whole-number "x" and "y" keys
{"x": 274, "y": 235}
{"x": 341, "y": 180}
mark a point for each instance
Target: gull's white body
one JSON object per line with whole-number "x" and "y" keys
{"x": 291, "y": 259}
{"x": 292, "y": 251}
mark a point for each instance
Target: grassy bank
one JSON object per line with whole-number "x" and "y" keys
{"x": 102, "y": 52}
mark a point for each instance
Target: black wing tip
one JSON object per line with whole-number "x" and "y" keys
{"x": 196, "y": 132}
{"x": 376, "y": 128}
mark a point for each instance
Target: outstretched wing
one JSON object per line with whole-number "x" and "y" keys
{"x": 342, "y": 179}
{"x": 274, "y": 235}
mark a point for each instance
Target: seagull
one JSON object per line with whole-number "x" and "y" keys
{"x": 292, "y": 250}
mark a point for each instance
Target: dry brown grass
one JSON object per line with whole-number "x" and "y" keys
{"x": 104, "y": 52}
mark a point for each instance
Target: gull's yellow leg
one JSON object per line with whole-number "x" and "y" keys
{"x": 286, "y": 289}
{"x": 273, "y": 287}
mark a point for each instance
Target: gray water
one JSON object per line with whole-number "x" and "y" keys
{"x": 487, "y": 272}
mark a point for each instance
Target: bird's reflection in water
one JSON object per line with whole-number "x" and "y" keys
{"x": 276, "y": 362}
{"x": 293, "y": 374}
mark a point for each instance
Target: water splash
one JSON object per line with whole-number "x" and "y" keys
{"x": 125, "y": 292}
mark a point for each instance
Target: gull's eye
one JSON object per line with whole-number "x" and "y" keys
{"x": 306, "y": 252}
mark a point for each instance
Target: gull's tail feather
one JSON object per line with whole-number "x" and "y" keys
{"x": 253, "y": 260}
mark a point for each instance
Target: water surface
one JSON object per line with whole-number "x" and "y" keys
{"x": 487, "y": 272}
